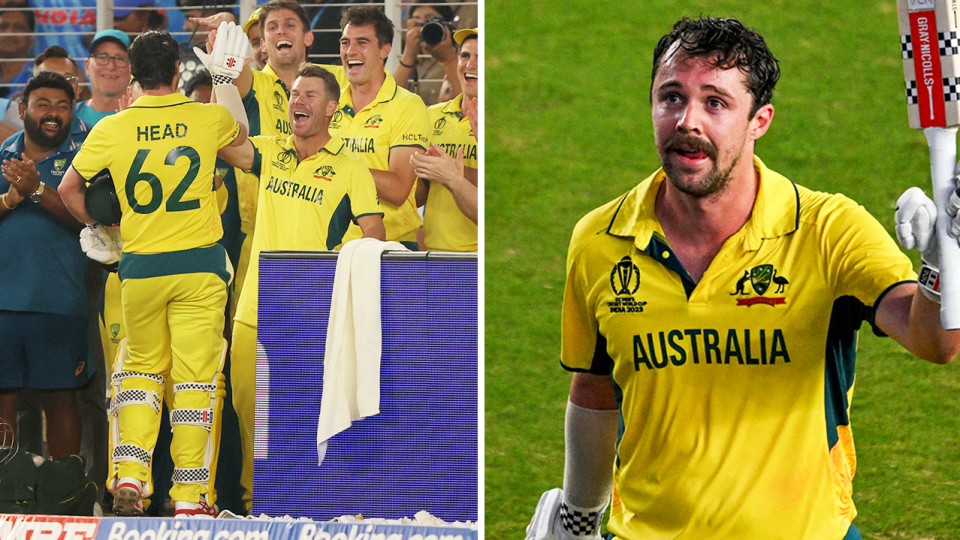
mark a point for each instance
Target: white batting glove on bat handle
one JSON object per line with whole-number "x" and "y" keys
{"x": 555, "y": 519}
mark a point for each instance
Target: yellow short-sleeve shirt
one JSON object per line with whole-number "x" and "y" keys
{"x": 734, "y": 391}
{"x": 445, "y": 227}
{"x": 395, "y": 118}
{"x": 161, "y": 152}
{"x": 304, "y": 205}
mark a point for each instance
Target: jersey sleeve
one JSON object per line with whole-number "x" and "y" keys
{"x": 93, "y": 156}
{"x": 863, "y": 260}
{"x": 363, "y": 193}
{"x": 228, "y": 127}
{"x": 259, "y": 143}
{"x": 582, "y": 348}
{"x": 412, "y": 124}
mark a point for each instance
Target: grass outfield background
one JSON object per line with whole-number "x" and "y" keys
{"x": 568, "y": 129}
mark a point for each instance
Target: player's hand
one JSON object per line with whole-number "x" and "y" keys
{"x": 438, "y": 166}
{"x": 22, "y": 175}
{"x": 100, "y": 244}
{"x": 229, "y": 52}
{"x": 546, "y": 523}
{"x": 212, "y": 22}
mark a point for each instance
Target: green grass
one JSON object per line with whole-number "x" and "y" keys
{"x": 568, "y": 129}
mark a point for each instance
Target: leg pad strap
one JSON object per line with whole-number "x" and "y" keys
{"x": 199, "y": 475}
{"x": 192, "y": 417}
{"x": 136, "y": 396}
{"x": 120, "y": 375}
{"x": 132, "y": 452}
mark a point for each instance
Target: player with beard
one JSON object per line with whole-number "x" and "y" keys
{"x": 708, "y": 409}
{"x": 43, "y": 311}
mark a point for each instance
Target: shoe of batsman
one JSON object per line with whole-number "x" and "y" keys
{"x": 916, "y": 219}
{"x": 230, "y": 51}
{"x": 556, "y": 519}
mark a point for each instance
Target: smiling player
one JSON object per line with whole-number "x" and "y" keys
{"x": 713, "y": 407}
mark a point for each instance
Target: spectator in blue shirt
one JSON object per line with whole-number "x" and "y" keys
{"x": 43, "y": 311}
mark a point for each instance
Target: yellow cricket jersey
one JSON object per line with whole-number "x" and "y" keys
{"x": 444, "y": 225}
{"x": 395, "y": 118}
{"x": 161, "y": 152}
{"x": 734, "y": 392}
{"x": 266, "y": 106}
{"x": 305, "y": 205}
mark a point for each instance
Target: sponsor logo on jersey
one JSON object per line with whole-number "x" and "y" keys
{"x": 624, "y": 282}
{"x": 743, "y": 347}
{"x": 415, "y": 138}
{"x": 373, "y": 122}
{"x": 74, "y": 17}
{"x": 759, "y": 279}
{"x": 325, "y": 173}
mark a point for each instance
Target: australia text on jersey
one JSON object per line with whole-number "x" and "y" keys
{"x": 703, "y": 346}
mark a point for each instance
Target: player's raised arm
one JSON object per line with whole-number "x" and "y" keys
{"x": 241, "y": 156}
{"x": 910, "y": 313}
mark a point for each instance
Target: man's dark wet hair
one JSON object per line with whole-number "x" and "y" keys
{"x": 373, "y": 15}
{"x": 201, "y": 77}
{"x": 153, "y": 59}
{"x": 725, "y": 44}
{"x": 292, "y": 5}
{"x": 48, "y": 79}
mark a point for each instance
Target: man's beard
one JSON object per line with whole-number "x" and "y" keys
{"x": 715, "y": 181}
{"x": 40, "y": 138}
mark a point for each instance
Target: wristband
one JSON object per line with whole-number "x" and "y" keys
{"x": 929, "y": 281}
{"x": 405, "y": 65}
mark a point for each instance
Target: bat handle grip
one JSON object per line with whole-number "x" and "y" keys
{"x": 943, "y": 161}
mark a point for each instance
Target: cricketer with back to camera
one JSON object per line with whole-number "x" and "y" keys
{"x": 710, "y": 317}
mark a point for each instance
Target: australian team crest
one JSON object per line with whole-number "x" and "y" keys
{"x": 625, "y": 281}
{"x": 325, "y": 172}
{"x": 759, "y": 278}
{"x": 59, "y": 163}
{"x": 373, "y": 121}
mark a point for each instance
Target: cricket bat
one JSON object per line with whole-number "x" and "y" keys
{"x": 931, "y": 67}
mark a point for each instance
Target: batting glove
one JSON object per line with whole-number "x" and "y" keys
{"x": 916, "y": 229}
{"x": 556, "y": 519}
{"x": 230, "y": 50}
{"x": 100, "y": 244}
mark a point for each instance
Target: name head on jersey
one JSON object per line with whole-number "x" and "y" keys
{"x": 155, "y": 60}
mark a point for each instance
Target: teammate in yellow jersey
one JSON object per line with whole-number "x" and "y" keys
{"x": 449, "y": 192}
{"x": 317, "y": 200}
{"x": 382, "y": 123}
{"x": 174, "y": 275}
{"x": 711, "y": 315}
